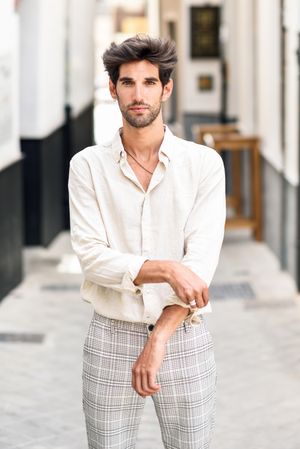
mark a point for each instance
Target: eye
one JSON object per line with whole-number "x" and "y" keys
{"x": 127, "y": 82}
{"x": 150, "y": 82}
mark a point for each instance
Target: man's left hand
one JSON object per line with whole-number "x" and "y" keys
{"x": 146, "y": 367}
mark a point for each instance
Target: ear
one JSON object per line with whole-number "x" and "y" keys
{"x": 167, "y": 90}
{"x": 112, "y": 89}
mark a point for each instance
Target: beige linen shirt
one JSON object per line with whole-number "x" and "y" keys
{"x": 116, "y": 226}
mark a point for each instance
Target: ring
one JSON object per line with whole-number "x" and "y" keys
{"x": 193, "y": 303}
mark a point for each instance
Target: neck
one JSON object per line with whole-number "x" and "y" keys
{"x": 143, "y": 143}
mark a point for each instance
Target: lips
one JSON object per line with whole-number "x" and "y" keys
{"x": 138, "y": 109}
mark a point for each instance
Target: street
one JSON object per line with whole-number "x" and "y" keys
{"x": 256, "y": 328}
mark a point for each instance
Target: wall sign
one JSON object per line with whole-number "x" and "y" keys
{"x": 205, "y": 30}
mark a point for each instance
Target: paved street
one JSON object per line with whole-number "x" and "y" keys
{"x": 256, "y": 328}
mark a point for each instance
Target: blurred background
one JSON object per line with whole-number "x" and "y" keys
{"x": 237, "y": 89}
{"x": 238, "y": 64}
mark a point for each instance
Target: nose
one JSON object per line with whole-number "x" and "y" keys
{"x": 138, "y": 93}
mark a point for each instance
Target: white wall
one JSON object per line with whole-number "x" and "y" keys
{"x": 254, "y": 95}
{"x": 9, "y": 142}
{"x": 267, "y": 66}
{"x": 153, "y": 17}
{"x": 42, "y": 66}
{"x": 170, "y": 12}
{"x": 230, "y": 30}
{"x": 80, "y": 67}
{"x": 239, "y": 50}
{"x": 192, "y": 100}
{"x": 245, "y": 48}
{"x": 292, "y": 24}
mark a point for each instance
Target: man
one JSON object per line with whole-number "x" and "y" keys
{"x": 147, "y": 222}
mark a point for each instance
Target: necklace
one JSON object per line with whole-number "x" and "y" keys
{"x": 148, "y": 171}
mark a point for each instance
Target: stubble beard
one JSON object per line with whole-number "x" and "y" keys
{"x": 144, "y": 119}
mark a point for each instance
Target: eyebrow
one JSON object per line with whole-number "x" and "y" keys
{"x": 125, "y": 78}
{"x": 128, "y": 78}
{"x": 151, "y": 78}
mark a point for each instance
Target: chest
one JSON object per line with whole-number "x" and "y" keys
{"x": 145, "y": 173}
{"x": 166, "y": 203}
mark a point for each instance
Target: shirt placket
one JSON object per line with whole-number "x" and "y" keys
{"x": 146, "y": 252}
{"x": 149, "y": 297}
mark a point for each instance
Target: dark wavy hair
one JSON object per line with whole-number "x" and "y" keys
{"x": 158, "y": 51}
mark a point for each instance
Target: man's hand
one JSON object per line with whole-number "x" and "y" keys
{"x": 145, "y": 369}
{"x": 187, "y": 285}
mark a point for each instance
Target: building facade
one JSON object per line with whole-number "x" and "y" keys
{"x": 46, "y": 102}
{"x": 11, "y": 216}
{"x": 259, "y": 47}
{"x": 239, "y": 61}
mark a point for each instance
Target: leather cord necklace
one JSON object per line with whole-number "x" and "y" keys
{"x": 148, "y": 171}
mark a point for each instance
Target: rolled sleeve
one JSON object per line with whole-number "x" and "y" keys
{"x": 194, "y": 317}
{"x": 128, "y": 279}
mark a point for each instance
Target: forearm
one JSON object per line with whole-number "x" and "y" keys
{"x": 145, "y": 369}
{"x": 187, "y": 286}
{"x": 171, "y": 317}
{"x": 154, "y": 271}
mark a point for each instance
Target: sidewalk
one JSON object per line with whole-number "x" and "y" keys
{"x": 256, "y": 328}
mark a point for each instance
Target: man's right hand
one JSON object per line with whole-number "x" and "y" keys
{"x": 187, "y": 285}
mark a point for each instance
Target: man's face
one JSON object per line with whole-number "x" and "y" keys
{"x": 140, "y": 93}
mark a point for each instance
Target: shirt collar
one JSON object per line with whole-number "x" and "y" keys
{"x": 165, "y": 148}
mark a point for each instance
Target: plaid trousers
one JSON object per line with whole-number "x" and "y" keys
{"x": 185, "y": 404}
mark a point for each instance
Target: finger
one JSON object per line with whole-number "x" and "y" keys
{"x": 144, "y": 384}
{"x": 136, "y": 383}
{"x": 146, "y": 387}
{"x": 194, "y": 307}
{"x": 205, "y": 295}
{"x": 202, "y": 299}
{"x": 199, "y": 300}
{"x": 133, "y": 380}
{"x": 153, "y": 385}
{"x": 191, "y": 300}
{"x": 193, "y": 303}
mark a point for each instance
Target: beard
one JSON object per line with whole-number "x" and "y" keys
{"x": 142, "y": 120}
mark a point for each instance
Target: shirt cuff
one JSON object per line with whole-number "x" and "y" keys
{"x": 194, "y": 317}
{"x": 133, "y": 270}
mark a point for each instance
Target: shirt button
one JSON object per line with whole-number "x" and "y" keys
{"x": 151, "y": 327}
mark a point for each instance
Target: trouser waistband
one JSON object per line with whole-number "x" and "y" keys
{"x": 114, "y": 325}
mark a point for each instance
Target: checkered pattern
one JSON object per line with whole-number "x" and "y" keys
{"x": 185, "y": 405}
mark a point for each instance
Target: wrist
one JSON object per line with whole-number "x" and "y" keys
{"x": 167, "y": 324}
{"x": 168, "y": 268}
{"x": 159, "y": 337}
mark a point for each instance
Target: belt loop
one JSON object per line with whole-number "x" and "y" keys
{"x": 112, "y": 326}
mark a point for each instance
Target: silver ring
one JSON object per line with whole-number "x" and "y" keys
{"x": 193, "y": 303}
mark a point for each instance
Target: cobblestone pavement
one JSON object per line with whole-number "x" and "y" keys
{"x": 256, "y": 328}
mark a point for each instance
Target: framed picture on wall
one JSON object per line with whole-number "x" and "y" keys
{"x": 205, "y": 31}
{"x": 205, "y": 83}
